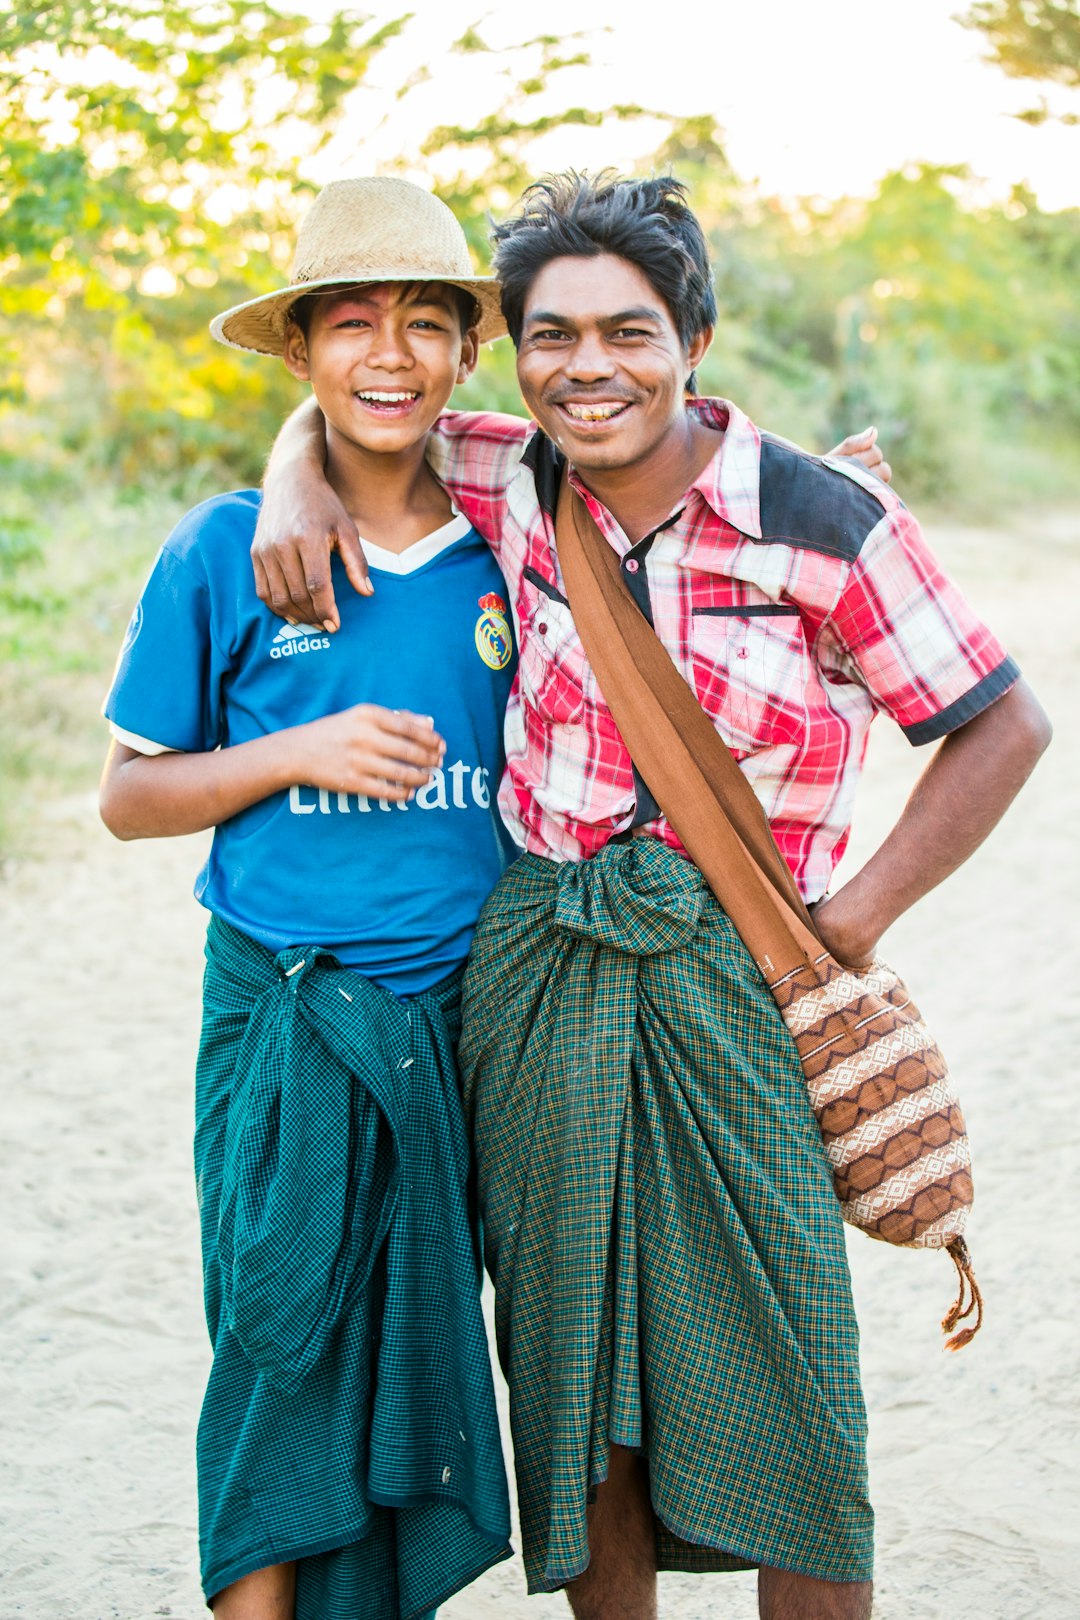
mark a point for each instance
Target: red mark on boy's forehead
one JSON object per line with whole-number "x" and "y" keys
{"x": 384, "y": 295}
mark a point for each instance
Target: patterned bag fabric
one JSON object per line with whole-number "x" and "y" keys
{"x": 892, "y": 1128}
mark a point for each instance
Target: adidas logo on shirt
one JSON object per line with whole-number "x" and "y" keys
{"x": 298, "y": 638}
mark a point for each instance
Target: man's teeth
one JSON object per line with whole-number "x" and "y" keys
{"x": 594, "y": 413}
{"x": 380, "y": 397}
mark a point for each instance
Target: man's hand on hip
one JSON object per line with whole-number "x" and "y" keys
{"x": 960, "y": 797}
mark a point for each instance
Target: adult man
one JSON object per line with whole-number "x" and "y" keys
{"x": 673, "y": 1306}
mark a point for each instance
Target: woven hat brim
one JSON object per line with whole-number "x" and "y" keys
{"x": 259, "y": 324}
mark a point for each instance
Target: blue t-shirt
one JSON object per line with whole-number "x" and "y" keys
{"x": 393, "y": 889}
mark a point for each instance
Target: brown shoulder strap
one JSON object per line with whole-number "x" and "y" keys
{"x": 675, "y": 746}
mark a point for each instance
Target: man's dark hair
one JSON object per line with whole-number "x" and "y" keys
{"x": 646, "y": 222}
{"x": 466, "y": 306}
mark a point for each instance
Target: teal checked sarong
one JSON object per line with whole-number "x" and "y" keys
{"x": 349, "y": 1421}
{"x": 660, "y": 1221}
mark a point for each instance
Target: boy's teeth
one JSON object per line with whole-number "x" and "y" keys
{"x": 382, "y": 398}
{"x": 594, "y": 413}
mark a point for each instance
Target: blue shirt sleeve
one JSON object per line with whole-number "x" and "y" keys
{"x": 167, "y": 687}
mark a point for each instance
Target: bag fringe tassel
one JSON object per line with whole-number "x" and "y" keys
{"x": 968, "y": 1299}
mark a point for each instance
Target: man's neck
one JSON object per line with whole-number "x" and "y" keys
{"x": 640, "y": 496}
{"x": 394, "y": 500}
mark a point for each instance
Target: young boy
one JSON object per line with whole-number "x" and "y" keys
{"x": 348, "y": 1452}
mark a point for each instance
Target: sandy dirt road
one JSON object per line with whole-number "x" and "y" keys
{"x": 975, "y": 1459}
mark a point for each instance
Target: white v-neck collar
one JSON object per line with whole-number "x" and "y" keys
{"x": 421, "y": 551}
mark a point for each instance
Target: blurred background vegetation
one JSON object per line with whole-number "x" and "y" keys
{"x": 148, "y": 178}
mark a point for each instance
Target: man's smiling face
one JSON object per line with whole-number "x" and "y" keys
{"x": 600, "y": 363}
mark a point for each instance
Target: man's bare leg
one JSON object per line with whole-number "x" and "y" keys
{"x": 266, "y": 1594}
{"x": 620, "y": 1582}
{"x": 783, "y": 1595}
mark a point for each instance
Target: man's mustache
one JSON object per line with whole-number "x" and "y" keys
{"x": 583, "y": 396}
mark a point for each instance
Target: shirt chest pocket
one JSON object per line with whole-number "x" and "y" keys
{"x": 752, "y": 673}
{"x": 554, "y": 677}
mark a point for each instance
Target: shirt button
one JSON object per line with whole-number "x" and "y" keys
{"x": 742, "y": 652}
{"x": 631, "y": 565}
{"x": 446, "y": 1476}
{"x": 541, "y": 629}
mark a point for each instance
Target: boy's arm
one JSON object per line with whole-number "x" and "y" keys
{"x": 381, "y": 753}
{"x": 302, "y": 521}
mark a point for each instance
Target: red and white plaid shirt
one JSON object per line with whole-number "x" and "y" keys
{"x": 797, "y": 597}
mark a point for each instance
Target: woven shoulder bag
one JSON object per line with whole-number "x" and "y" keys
{"x": 892, "y": 1128}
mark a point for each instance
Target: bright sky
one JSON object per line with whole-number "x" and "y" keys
{"x": 815, "y": 98}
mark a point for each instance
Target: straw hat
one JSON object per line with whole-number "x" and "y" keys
{"x": 374, "y": 229}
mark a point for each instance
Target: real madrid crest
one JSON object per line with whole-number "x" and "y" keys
{"x": 494, "y": 642}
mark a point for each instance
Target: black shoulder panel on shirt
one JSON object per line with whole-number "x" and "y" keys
{"x": 807, "y": 504}
{"x": 546, "y": 464}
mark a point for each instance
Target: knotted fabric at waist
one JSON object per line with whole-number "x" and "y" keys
{"x": 637, "y": 896}
{"x": 314, "y": 1142}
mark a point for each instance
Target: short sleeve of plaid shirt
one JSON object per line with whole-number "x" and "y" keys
{"x": 905, "y": 631}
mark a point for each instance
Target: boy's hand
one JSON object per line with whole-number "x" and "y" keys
{"x": 300, "y": 524}
{"x": 865, "y": 448}
{"x": 381, "y": 753}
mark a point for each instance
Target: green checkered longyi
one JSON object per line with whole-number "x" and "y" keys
{"x": 349, "y": 1421}
{"x": 661, "y": 1224}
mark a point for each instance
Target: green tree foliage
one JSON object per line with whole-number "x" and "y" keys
{"x": 148, "y": 178}
{"x": 504, "y": 135}
{"x": 503, "y": 139}
{"x": 150, "y": 149}
{"x": 949, "y": 321}
{"x": 144, "y": 148}
{"x": 1033, "y": 39}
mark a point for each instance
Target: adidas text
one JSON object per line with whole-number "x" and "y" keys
{"x": 298, "y": 638}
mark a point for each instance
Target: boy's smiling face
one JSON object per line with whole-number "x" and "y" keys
{"x": 383, "y": 360}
